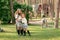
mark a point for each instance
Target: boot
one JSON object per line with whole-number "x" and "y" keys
{"x": 28, "y": 32}
{"x": 24, "y": 33}
{"x": 18, "y": 32}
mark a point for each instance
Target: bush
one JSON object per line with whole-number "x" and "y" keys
{"x": 5, "y": 15}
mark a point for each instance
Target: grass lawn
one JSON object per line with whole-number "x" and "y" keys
{"x": 36, "y": 32}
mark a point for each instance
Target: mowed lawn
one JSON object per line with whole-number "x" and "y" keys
{"x": 36, "y": 33}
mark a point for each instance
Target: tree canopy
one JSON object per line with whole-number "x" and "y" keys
{"x": 5, "y": 14}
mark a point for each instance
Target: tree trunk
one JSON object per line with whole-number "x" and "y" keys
{"x": 12, "y": 11}
{"x": 51, "y": 9}
{"x": 56, "y": 14}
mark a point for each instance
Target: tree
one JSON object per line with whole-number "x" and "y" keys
{"x": 57, "y": 13}
{"x": 5, "y": 15}
{"x": 51, "y": 8}
{"x": 12, "y": 10}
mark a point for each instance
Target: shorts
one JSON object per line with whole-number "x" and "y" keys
{"x": 18, "y": 24}
{"x": 24, "y": 26}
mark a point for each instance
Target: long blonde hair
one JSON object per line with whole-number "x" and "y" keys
{"x": 18, "y": 11}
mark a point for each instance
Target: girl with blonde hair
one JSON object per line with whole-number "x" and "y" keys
{"x": 18, "y": 20}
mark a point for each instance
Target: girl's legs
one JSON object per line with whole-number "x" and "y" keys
{"x": 21, "y": 31}
{"x": 24, "y": 31}
{"x": 46, "y": 24}
{"x": 18, "y": 30}
{"x": 28, "y": 32}
{"x": 42, "y": 25}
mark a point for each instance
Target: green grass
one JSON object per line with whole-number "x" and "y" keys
{"x": 36, "y": 32}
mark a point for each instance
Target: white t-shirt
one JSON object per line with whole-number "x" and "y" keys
{"x": 24, "y": 21}
{"x": 17, "y": 17}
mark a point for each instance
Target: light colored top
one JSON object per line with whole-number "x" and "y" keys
{"x": 24, "y": 21}
{"x": 44, "y": 20}
{"x": 17, "y": 17}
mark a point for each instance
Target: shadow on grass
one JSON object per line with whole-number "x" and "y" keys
{"x": 34, "y": 25}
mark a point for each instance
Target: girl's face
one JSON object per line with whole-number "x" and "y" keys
{"x": 23, "y": 16}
